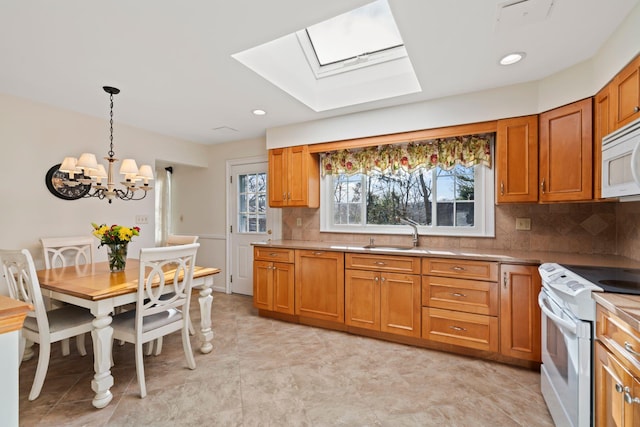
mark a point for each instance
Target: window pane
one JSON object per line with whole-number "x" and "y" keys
{"x": 445, "y": 213}
{"x": 252, "y": 199}
{"x": 464, "y": 214}
{"x": 368, "y": 29}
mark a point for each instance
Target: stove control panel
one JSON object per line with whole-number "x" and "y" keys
{"x": 569, "y": 289}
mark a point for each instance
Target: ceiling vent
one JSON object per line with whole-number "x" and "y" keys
{"x": 519, "y": 13}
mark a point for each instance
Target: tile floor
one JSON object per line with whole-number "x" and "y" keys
{"x": 265, "y": 372}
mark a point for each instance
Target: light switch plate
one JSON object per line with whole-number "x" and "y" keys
{"x": 142, "y": 219}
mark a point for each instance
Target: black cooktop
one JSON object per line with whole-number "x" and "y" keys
{"x": 610, "y": 279}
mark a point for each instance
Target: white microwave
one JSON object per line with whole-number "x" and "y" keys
{"x": 621, "y": 163}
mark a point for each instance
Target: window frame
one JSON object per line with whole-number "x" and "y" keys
{"x": 484, "y": 212}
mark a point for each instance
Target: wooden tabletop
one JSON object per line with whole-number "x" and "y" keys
{"x": 12, "y": 314}
{"x": 96, "y": 282}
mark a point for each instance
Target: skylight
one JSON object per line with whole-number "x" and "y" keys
{"x": 363, "y": 31}
{"x": 323, "y": 68}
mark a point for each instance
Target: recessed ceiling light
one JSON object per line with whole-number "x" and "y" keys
{"x": 512, "y": 58}
{"x": 259, "y": 112}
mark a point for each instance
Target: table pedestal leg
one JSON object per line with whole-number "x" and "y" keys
{"x": 205, "y": 334}
{"x": 102, "y": 382}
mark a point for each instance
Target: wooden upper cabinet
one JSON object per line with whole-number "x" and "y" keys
{"x": 602, "y": 126}
{"x": 566, "y": 153}
{"x": 294, "y": 177}
{"x": 625, "y": 94}
{"x": 517, "y": 160}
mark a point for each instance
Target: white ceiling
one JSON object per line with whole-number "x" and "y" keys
{"x": 172, "y": 59}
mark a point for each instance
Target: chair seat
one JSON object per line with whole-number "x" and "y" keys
{"x": 126, "y": 321}
{"x": 62, "y": 318}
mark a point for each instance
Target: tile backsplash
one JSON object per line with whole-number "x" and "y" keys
{"x": 592, "y": 228}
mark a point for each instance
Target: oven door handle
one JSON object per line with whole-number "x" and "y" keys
{"x": 570, "y": 327}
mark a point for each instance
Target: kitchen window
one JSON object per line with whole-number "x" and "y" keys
{"x": 372, "y": 190}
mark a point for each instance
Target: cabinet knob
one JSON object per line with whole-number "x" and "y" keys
{"x": 636, "y": 109}
{"x": 289, "y": 196}
{"x": 619, "y": 388}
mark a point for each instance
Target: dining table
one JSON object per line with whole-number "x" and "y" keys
{"x": 96, "y": 288}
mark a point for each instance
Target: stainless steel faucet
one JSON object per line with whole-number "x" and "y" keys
{"x": 411, "y": 223}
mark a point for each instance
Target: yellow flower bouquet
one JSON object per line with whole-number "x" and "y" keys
{"x": 116, "y": 238}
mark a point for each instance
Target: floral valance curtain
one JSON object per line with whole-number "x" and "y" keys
{"x": 467, "y": 150}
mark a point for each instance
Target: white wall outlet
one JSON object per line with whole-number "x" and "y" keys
{"x": 299, "y": 222}
{"x": 142, "y": 219}
{"x": 523, "y": 223}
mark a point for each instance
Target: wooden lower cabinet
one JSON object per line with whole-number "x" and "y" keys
{"x": 382, "y": 293}
{"x": 460, "y": 303}
{"x": 319, "y": 285}
{"x": 520, "y": 319}
{"x": 617, "y": 391}
{"x": 380, "y": 301}
{"x": 273, "y": 279}
{"x": 617, "y": 371}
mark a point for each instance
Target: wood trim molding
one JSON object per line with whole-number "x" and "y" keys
{"x": 12, "y": 314}
{"x": 396, "y": 138}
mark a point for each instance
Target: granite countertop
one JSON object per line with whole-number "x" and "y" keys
{"x": 626, "y": 307}
{"x": 499, "y": 255}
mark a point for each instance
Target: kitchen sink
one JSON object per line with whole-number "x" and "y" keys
{"x": 389, "y": 247}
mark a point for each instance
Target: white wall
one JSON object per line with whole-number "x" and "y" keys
{"x": 34, "y": 137}
{"x": 578, "y": 82}
{"x": 200, "y": 204}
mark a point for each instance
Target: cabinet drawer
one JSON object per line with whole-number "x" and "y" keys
{"x": 469, "y": 296}
{"x": 273, "y": 254}
{"x": 616, "y": 334}
{"x": 463, "y": 329}
{"x": 459, "y": 268}
{"x": 397, "y": 264}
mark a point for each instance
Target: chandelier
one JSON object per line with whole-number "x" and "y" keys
{"x": 87, "y": 171}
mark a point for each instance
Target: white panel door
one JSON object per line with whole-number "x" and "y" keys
{"x": 251, "y": 221}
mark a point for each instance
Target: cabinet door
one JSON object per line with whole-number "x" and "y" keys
{"x": 263, "y": 285}
{"x": 603, "y": 118}
{"x": 625, "y": 94}
{"x": 519, "y": 312}
{"x": 283, "y": 287}
{"x": 362, "y": 299}
{"x": 610, "y": 380}
{"x": 517, "y": 160}
{"x": 566, "y": 153}
{"x": 277, "y": 177}
{"x": 400, "y": 304}
{"x": 319, "y": 286}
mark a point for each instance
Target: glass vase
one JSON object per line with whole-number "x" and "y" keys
{"x": 117, "y": 256}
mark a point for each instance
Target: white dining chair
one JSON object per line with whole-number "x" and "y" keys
{"x": 177, "y": 239}
{"x": 40, "y": 326}
{"x": 156, "y": 316}
{"x": 65, "y": 252}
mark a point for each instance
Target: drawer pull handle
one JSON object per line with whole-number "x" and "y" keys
{"x": 273, "y": 254}
{"x": 380, "y": 263}
{"x": 458, "y": 295}
{"x": 457, "y": 328}
{"x": 318, "y": 253}
{"x": 457, "y": 268}
{"x": 630, "y": 349}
